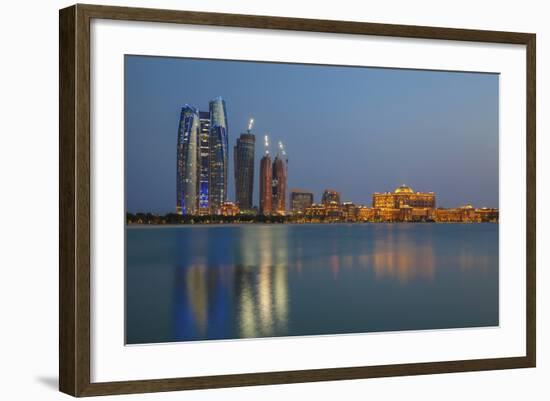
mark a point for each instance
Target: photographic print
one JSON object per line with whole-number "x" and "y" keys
{"x": 278, "y": 199}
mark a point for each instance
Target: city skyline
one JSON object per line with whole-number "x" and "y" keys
{"x": 354, "y": 184}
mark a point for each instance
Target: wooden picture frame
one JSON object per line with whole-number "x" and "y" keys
{"x": 74, "y": 199}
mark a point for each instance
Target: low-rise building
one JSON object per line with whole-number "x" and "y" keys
{"x": 487, "y": 215}
{"x": 300, "y": 200}
{"x": 229, "y": 209}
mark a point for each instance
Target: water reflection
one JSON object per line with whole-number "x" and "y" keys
{"x": 469, "y": 261}
{"x": 402, "y": 256}
{"x": 202, "y": 301}
{"x": 223, "y": 282}
{"x": 197, "y": 295}
{"x": 253, "y": 287}
{"x": 262, "y": 282}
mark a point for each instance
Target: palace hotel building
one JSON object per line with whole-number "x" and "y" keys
{"x": 403, "y": 196}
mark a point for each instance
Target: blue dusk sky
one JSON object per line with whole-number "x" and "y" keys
{"x": 358, "y": 130}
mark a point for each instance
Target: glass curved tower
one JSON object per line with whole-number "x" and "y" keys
{"x": 218, "y": 155}
{"x": 204, "y": 162}
{"x": 187, "y": 161}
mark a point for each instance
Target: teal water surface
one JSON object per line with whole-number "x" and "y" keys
{"x": 240, "y": 281}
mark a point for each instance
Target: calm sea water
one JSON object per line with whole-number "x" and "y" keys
{"x": 236, "y": 281}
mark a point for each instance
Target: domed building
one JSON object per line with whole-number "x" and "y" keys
{"x": 403, "y": 189}
{"x": 403, "y": 197}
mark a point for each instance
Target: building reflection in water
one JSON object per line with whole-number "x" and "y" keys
{"x": 197, "y": 295}
{"x": 245, "y": 281}
{"x": 335, "y": 265}
{"x": 401, "y": 256}
{"x": 254, "y": 287}
{"x": 241, "y": 288}
{"x": 262, "y": 283}
{"x": 389, "y": 255}
{"x": 201, "y": 306}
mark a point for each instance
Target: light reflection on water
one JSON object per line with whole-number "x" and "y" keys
{"x": 398, "y": 255}
{"x": 263, "y": 286}
{"x": 222, "y": 282}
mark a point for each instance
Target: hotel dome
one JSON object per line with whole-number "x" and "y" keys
{"x": 403, "y": 189}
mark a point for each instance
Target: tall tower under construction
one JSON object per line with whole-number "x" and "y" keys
{"x": 279, "y": 182}
{"x": 266, "y": 178}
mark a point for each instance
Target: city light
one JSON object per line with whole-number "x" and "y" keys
{"x": 266, "y": 144}
{"x": 282, "y": 148}
{"x": 202, "y": 159}
{"x": 203, "y": 164}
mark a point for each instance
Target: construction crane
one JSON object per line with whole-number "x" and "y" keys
{"x": 266, "y": 144}
{"x": 282, "y": 151}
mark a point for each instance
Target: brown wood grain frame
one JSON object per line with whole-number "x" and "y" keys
{"x": 74, "y": 199}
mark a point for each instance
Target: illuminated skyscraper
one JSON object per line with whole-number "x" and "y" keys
{"x": 266, "y": 178}
{"x": 279, "y": 181}
{"x": 204, "y": 161}
{"x": 244, "y": 168}
{"x": 187, "y": 161}
{"x": 218, "y": 155}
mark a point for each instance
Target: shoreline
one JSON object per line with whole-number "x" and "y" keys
{"x": 137, "y": 226}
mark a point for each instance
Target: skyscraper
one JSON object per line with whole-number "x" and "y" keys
{"x": 187, "y": 161}
{"x": 218, "y": 155}
{"x": 244, "y": 168}
{"x": 204, "y": 161}
{"x": 279, "y": 181}
{"x": 266, "y": 178}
